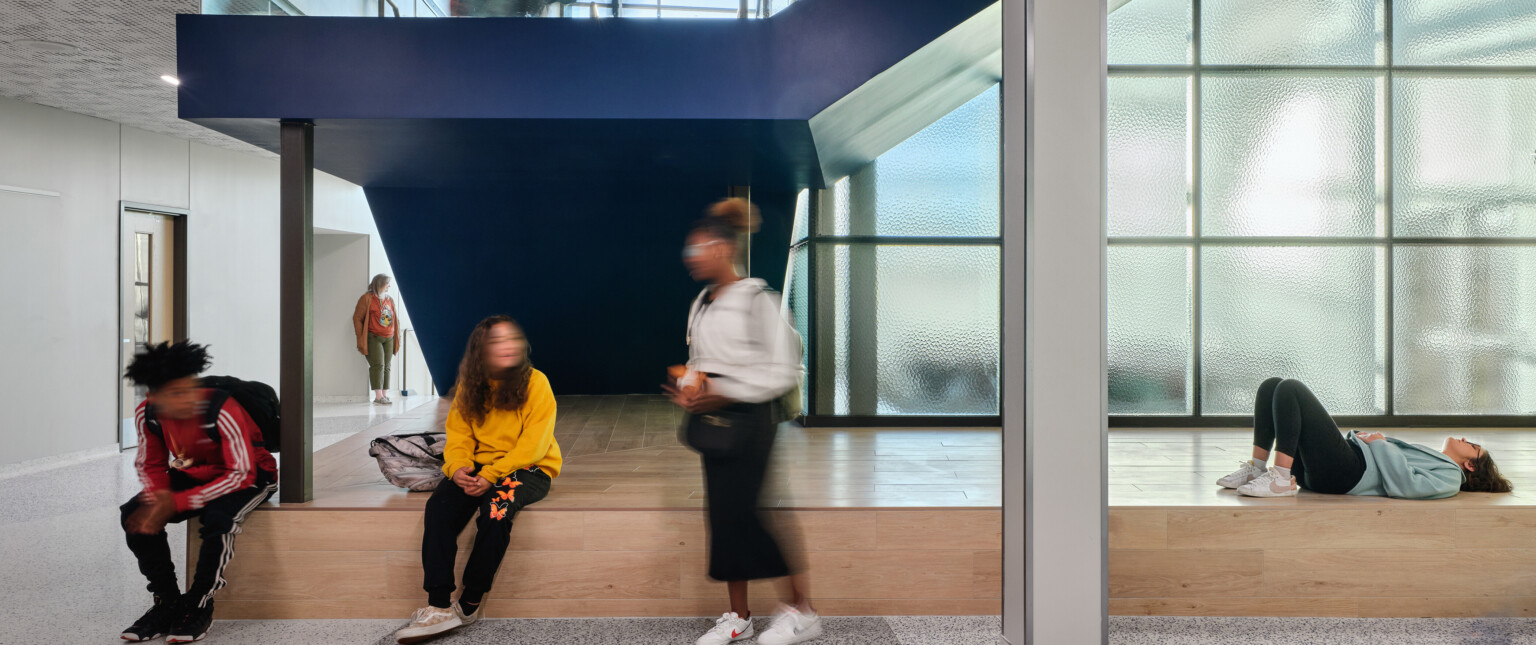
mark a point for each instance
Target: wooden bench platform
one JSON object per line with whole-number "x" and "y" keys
{"x": 897, "y": 522}
{"x": 886, "y": 523}
{"x": 1179, "y": 545}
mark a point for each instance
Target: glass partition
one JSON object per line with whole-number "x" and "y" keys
{"x": 1341, "y": 191}
{"x": 895, "y": 276}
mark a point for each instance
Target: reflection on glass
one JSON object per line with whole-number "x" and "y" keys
{"x": 141, "y": 301}
{"x": 140, "y": 331}
{"x": 142, "y": 243}
{"x": 1288, "y": 155}
{"x": 942, "y": 181}
{"x": 1464, "y": 165}
{"x": 1464, "y": 32}
{"x": 1466, "y": 330}
{"x": 1149, "y": 32}
{"x": 802, "y": 217}
{"x": 1150, "y": 331}
{"x": 1311, "y": 313}
{"x": 918, "y": 329}
{"x": 1149, "y": 161}
{"x": 797, "y": 297}
{"x": 1293, "y": 32}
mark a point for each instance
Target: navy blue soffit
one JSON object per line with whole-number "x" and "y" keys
{"x": 422, "y": 103}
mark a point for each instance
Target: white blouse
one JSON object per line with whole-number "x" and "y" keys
{"x": 743, "y": 339}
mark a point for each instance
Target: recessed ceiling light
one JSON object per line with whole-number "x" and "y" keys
{"x": 47, "y": 46}
{"x": 170, "y": 79}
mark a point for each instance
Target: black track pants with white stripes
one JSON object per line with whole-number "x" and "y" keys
{"x": 221, "y": 518}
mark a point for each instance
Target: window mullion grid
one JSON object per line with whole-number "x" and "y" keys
{"x": 1197, "y": 390}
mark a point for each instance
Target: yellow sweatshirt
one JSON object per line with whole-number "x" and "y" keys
{"x": 509, "y": 439}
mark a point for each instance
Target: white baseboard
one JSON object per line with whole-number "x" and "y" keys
{"x": 40, "y": 464}
{"x": 343, "y": 398}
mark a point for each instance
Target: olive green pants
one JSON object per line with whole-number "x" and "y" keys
{"x": 381, "y": 350}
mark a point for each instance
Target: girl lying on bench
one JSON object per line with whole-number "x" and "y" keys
{"x": 1311, "y": 453}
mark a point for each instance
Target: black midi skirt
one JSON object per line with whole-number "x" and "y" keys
{"x": 742, "y": 542}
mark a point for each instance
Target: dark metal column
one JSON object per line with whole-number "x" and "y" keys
{"x": 296, "y": 299}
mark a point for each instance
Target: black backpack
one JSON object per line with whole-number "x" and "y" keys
{"x": 258, "y": 399}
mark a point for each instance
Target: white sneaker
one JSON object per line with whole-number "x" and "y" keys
{"x": 469, "y": 619}
{"x": 1247, "y": 473}
{"x": 789, "y": 626}
{"x": 728, "y": 629}
{"x": 1270, "y": 484}
{"x": 427, "y": 623}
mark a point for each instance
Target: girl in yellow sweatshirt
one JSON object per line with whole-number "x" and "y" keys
{"x": 501, "y": 457}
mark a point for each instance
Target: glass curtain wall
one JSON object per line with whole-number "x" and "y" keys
{"x": 894, "y": 276}
{"x": 1340, "y": 191}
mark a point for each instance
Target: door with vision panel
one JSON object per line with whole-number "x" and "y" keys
{"x": 148, "y": 300}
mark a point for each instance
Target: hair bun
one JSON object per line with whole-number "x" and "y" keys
{"x": 738, "y": 212}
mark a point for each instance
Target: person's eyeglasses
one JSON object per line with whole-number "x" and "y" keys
{"x": 696, "y": 250}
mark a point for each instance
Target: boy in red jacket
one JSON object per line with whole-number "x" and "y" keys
{"x": 217, "y": 473}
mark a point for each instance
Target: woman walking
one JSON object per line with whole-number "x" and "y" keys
{"x": 1311, "y": 453}
{"x": 378, "y": 335}
{"x": 501, "y": 457}
{"x": 743, "y": 357}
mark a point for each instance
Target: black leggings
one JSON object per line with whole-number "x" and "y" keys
{"x": 1288, "y": 418}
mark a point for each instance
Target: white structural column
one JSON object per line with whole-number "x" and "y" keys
{"x": 1055, "y": 503}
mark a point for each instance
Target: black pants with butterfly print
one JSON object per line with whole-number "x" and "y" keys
{"x": 448, "y": 512}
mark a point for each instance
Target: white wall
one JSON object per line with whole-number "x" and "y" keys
{"x": 59, "y": 263}
{"x": 341, "y": 272}
{"x": 58, "y": 268}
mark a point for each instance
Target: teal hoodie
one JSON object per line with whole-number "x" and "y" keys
{"x": 1396, "y": 468}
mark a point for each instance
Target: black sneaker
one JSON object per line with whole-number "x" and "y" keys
{"x": 192, "y": 624}
{"x": 155, "y": 622}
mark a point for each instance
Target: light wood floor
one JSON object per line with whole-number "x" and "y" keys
{"x": 622, "y": 453}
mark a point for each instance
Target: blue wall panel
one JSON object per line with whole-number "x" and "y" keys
{"x": 593, "y": 271}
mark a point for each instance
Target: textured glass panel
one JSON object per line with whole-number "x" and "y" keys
{"x": 1312, "y": 313}
{"x": 918, "y": 329}
{"x": 1149, "y": 32}
{"x": 1150, "y": 360}
{"x": 1149, "y": 169}
{"x": 1291, "y": 32}
{"x": 802, "y": 216}
{"x": 1466, "y": 330}
{"x": 942, "y": 181}
{"x": 833, "y": 216}
{"x": 142, "y": 243}
{"x": 1291, "y": 155}
{"x": 1464, "y": 32}
{"x": 1463, "y": 162}
{"x": 797, "y": 296}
